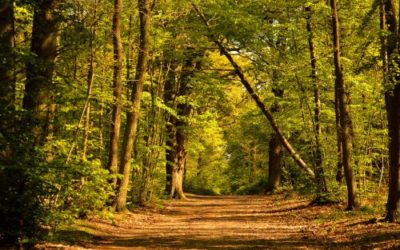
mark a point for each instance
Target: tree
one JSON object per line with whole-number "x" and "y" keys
{"x": 117, "y": 89}
{"x": 170, "y": 130}
{"x": 20, "y": 189}
{"x": 191, "y": 63}
{"x": 276, "y": 150}
{"x": 90, "y": 78}
{"x": 344, "y": 117}
{"x": 392, "y": 101}
{"x": 38, "y": 97}
{"x": 319, "y": 171}
{"x": 145, "y": 9}
{"x": 7, "y": 86}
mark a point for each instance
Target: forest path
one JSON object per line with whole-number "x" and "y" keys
{"x": 243, "y": 222}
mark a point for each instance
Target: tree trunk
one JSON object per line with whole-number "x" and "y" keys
{"x": 39, "y": 87}
{"x": 392, "y": 101}
{"x": 38, "y": 98}
{"x": 383, "y": 28}
{"x": 170, "y": 154}
{"x": 319, "y": 171}
{"x": 179, "y": 168}
{"x": 239, "y": 72}
{"x": 276, "y": 150}
{"x": 345, "y": 119}
{"x": 275, "y": 163}
{"x": 7, "y": 98}
{"x": 170, "y": 142}
{"x": 133, "y": 114}
{"x": 90, "y": 76}
{"x": 7, "y": 81}
{"x": 339, "y": 162}
{"x": 117, "y": 90}
{"x": 192, "y": 63}
{"x": 177, "y": 175}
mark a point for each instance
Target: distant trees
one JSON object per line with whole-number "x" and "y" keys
{"x": 239, "y": 72}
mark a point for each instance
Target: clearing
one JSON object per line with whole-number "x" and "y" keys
{"x": 237, "y": 222}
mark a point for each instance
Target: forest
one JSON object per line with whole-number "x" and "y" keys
{"x": 109, "y": 106}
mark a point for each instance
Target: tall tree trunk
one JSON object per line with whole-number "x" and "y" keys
{"x": 392, "y": 101}
{"x": 7, "y": 96}
{"x": 383, "y": 28}
{"x": 7, "y": 81}
{"x": 38, "y": 98}
{"x": 345, "y": 119}
{"x": 319, "y": 171}
{"x": 239, "y": 72}
{"x": 183, "y": 111}
{"x": 117, "y": 91}
{"x": 90, "y": 75}
{"x": 339, "y": 161}
{"x": 170, "y": 154}
{"x": 170, "y": 131}
{"x": 339, "y": 148}
{"x": 39, "y": 87}
{"x": 133, "y": 114}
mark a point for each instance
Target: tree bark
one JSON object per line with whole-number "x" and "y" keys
{"x": 117, "y": 91}
{"x": 7, "y": 81}
{"x": 392, "y": 101}
{"x": 319, "y": 171}
{"x": 134, "y": 112}
{"x": 183, "y": 111}
{"x": 383, "y": 28}
{"x": 239, "y": 72}
{"x": 339, "y": 162}
{"x": 170, "y": 143}
{"x": 90, "y": 76}
{"x": 39, "y": 87}
{"x": 179, "y": 168}
{"x": 276, "y": 149}
{"x": 274, "y": 163}
{"x": 345, "y": 119}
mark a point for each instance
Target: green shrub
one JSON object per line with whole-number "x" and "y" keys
{"x": 39, "y": 188}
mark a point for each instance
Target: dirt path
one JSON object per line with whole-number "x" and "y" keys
{"x": 243, "y": 222}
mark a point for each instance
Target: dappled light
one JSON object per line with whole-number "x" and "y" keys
{"x": 237, "y": 222}
{"x": 188, "y": 124}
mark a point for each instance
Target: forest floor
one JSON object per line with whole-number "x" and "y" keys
{"x": 235, "y": 222}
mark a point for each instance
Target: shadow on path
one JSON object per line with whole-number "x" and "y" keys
{"x": 238, "y": 222}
